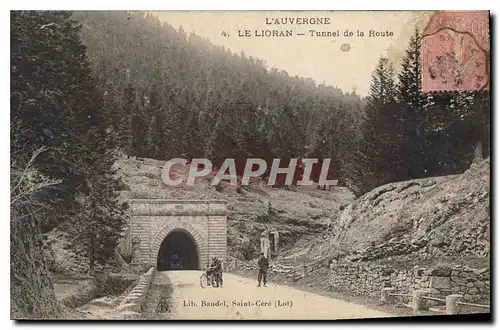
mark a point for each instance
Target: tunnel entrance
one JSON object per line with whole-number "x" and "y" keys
{"x": 178, "y": 251}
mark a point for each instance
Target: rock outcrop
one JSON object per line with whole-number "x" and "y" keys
{"x": 446, "y": 217}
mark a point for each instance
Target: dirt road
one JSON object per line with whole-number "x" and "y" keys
{"x": 241, "y": 299}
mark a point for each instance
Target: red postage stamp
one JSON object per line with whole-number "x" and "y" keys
{"x": 455, "y": 52}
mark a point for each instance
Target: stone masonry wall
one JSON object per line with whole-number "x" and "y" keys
{"x": 152, "y": 220}
{"x": 358, "y": 279}
{"x": 134, "y": 301}
{"x": 217, "y": 237}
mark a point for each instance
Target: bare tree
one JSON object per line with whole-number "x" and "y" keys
{"x": 32, "y": 293}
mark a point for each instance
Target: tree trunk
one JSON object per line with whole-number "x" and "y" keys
{"x": 481, "y": 108}
{"x": 478, "y": 151}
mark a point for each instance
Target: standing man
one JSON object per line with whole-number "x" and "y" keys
{"x": 215, "y": 272}
{"x": 263, "y": 263}
{"x": 218, "y": 271}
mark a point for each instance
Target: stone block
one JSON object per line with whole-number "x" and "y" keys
{"x": 468, "y": 297}
{"x": 481, "y": 271}
{"x": 101, "y": 302}
{"x": 439, "y": 282}
{"x": 459, "y": 281}
{"x": 132, "y": 300}
{"x": 386, "y": 295}
{"x": 418, "y": 302}
{"x": 473, "y": 291}
{"x": 452, "y": 306}
{"x": 133, "y": 307}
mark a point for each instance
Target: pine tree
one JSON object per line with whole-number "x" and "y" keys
{"x": 454, "y": 131}
{"x": 102, "y": 215}
{"x": 158, "y": 127}
{"x": 381, "y": 143}
{"x": 225, "y": 90}
{"x": 125, "y": 124}
{"x": 348, "y": 150}
{"x": 412, "y": 102}
{"x": 56, "y": 100}
{"x": 55, "y": 105}
{"x": 481, "y": 117}
{"x": 141, "y": 128}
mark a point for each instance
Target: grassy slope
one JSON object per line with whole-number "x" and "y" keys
{"x": 298, "y": 214}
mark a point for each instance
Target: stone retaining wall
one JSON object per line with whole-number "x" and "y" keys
{"x": 134, "y": 301}
{"x": 368, "y": 280}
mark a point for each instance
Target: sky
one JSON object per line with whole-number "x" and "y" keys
{"x": 323, "y": 59}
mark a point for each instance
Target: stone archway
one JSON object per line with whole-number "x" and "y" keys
{"x": 204, "y": 222}
{"x": 178, "y": 251}
{"x": 189, "y": 230}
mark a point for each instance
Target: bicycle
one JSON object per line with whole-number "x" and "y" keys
{"x": 209, "y": 280}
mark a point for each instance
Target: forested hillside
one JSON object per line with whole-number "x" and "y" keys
{"x": 408, "y": 134}
{"x": 176, "y": 94}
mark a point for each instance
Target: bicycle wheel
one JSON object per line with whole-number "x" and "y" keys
{"x": 203, "y": 280}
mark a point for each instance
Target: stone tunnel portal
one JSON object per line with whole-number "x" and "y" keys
{"x": 178, "y": 251}
{"x": 194, "y": 230}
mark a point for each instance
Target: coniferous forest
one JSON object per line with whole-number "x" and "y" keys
{"x": 86, "y": 86}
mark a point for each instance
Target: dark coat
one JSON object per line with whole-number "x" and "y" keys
{"x": 216, "y": 265}
{"x": 263, "y": 263}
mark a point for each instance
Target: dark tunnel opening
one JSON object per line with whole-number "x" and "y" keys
{"x": 178, "y": 251}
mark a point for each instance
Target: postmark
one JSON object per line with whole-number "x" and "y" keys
{"x": 455, "y": 52}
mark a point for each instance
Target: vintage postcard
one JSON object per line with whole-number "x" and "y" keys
{"x": 250, "y": 165}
